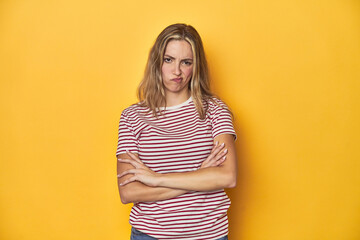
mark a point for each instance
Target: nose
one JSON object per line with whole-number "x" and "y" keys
{"x": 177, "y": 70}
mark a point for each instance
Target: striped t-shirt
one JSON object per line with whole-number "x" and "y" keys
{"x": 177, "y": 141}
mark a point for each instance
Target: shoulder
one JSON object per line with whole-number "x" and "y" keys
{"x": 130, "y": 110}
{"x": 216, "y": 104}
{"x": 134, "y": 111}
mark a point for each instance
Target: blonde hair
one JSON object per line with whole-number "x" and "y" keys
{"x": 151, "y": 91}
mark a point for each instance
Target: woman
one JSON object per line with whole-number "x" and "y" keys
{"x": 176, "y": 150}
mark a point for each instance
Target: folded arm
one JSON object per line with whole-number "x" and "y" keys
{"x": 205, "y": 179}
{"x": 137, "y": 191}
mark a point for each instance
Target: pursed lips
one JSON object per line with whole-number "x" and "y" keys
{"x": 177, "y": 79}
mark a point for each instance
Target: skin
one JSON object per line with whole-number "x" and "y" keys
{"x": 139, "y": 183}
{"x": 178, "y": 64}
{"x": 137, "y": 191}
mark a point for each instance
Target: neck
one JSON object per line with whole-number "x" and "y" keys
{"x": 173, "y": 99}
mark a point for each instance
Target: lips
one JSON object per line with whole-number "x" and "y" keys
{"x": 176, "y": 79}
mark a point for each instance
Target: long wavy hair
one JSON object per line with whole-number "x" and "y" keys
{"x": 151, "y": 92}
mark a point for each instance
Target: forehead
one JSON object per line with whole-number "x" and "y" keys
{"x": 179, "y": 48}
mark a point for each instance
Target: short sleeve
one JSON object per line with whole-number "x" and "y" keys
{"x": 126, "y": 136}
{"x": 221, "y": 120}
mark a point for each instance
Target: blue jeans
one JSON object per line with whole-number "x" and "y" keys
{"x": 137, "y": 235}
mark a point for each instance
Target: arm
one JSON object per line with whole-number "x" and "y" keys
{"x": 136, "y": 191}
{"x": 204, "y": 179}
{"x": 207, "y": 179}
{"x": 139, "y": 192}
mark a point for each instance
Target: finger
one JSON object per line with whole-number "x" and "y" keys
{"x": 220, "y": 161}
{"x": 219, "y": 157}
{"x": 218, "y": 148}
{"x": 221, "y": 154}
{"x": 122, "y": 174}
{"x": 211, "y": 162}
{"x": 126, "y": 160}
{"x": 204, "y": 165}
{"x": 130, "y": 171}
{"x": 214, "y": 160}
{"x": 132, "y": 179}
{"x": 134, "y": 163}
{"x": 215, "y": 145}
{"x": 133, "y": 156}
{"x": 214, "y": 156}
{"x": 215, "y": 152}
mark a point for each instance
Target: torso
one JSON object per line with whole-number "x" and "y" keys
{"x": 178, "y": 141}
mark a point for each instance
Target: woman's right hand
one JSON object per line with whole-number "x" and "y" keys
{"x": 216, "y": 157}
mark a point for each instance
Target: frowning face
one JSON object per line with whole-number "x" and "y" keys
{"x": 177, "y": 67}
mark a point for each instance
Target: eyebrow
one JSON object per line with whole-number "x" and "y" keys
{"x": 185, "y": 59}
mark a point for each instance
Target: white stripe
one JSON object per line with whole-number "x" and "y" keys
{"x": 177, "y": 142}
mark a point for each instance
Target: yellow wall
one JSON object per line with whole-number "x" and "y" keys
{"x": 288, "y": 69}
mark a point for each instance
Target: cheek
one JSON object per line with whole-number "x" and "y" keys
{"x": 163, "y": 70}
{"x": 188, "y": 72}
{"x": 166, "y": 69}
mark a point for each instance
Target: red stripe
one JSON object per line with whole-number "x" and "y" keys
{"x": 177, "y": 142}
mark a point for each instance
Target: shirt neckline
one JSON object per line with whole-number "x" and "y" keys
{"x": 177, "y": 106}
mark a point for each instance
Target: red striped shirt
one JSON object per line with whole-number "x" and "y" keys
{"x": 177, "y": 141}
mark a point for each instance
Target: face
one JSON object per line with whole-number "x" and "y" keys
{"x": 177, "y": 68}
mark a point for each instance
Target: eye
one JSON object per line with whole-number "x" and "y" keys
{"x": 167, "y": 60}
{"x": 187, "y": 63}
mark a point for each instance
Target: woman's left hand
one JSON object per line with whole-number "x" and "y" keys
{"x": 140, "y": 172}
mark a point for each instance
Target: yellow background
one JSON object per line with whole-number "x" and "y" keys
{"x": 288, "y": 69}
